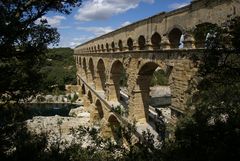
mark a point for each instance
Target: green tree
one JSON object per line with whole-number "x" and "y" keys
{"x": 23, "y": 43}
{"x": 211, "y": 132}
{"x": 59, "y": 69}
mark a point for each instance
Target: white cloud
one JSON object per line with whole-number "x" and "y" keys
{"x": 104, "y": 9}
{"x": 177, "y": 5}
{"x": 97, "y": 31}
{"x": 125, "y": 23}
{"x": 54, "y": 21}
{"x": 73, "y": 42}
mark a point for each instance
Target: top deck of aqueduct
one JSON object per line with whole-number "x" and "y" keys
{"x": 177, "y": 21}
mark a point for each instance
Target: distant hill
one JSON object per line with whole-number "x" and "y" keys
{"x": 59, "y": 69}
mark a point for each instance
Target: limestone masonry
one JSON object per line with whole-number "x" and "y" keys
{"x": 139, "y": 49}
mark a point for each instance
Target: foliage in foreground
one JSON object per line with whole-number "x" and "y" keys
{"x": 23, "y": 43}
{"x": 26, "y": 146}
{"x": 211, "y": 132}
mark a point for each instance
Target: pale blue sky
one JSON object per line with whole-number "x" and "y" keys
{"x": 96, "y": 17}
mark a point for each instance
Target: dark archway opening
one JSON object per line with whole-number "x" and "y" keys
{"x": 174, "y": 37}
{"x": 99, "y": 109}
{"x": 100, "y": 83}
{"x": 130, "y": 44}
{"x": 120, "y": 45}
{"x": 141, "y": 42}
{"x": 91, "y": 68}
{"x": 155, "y": 91}
{"x": 116, "y": 129}
{"x": 156, "y": 41}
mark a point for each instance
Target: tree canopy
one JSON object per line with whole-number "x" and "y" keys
{"x": 23, "y": 43}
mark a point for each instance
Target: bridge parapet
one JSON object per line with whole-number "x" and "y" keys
{"x": 164, "y": 30}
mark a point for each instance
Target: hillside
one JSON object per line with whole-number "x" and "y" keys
{"x": 59, "y": 69}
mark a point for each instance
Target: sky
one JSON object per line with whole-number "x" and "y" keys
{"x": 97, "y": 17}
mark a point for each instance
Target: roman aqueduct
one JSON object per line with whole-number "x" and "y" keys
{"x": 163, "y": 41}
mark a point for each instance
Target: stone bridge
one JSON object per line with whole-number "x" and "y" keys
{"x": 163, "y": 41}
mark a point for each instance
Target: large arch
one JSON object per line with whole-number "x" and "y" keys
{"x": 83, "y": 89}
{"x": 101, "y": 76}
{"x": 85, "y": 67}
{"x": 90, "y": 98}
{"x": 117, "y": 79}
{"x": 174, "y": 37}
{"x": 91, "y": 68}
{"x": 116, "y": 128}
{"x": 99, "y": 109}
{"x": 142, "y": 96}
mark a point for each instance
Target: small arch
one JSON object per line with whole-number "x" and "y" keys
{"x": 102, "y": 47}
{"x": 90, "y": 98}
{"x": 99, "y": 107}
{"x": 130, "y": 44}
{"x": 95, "y": 48}
{"x": 201, "y": 33}
{"x": 107, "y": 47}
{"x": 174, "y": 37}
{"x": 120, "y": 45}
{"x": 141, "y": 42}
{"x": 156, "y": 40}
{"x": 113, "y": 46}
{"x": 98, "y": 47}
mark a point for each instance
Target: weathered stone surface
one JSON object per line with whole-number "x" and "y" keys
{"x": 141, "y": 59}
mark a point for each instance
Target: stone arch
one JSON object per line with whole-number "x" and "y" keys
{"x": 174, "y": 37}
{"x": 98, "y": 47}
{"x": 117, "y": 76}
{"x": 80, "y": 61}
{"x": 120, "y": 45}
{"x": 99, "y": 109}
{"x": 142, "y": 42}
{"x": 91, "y": 68}
{"x": 130, "y": 44}
{"x": 107, "y": 47}
{"x": 115, "y": 128}
{"x": 83, "y": 89}
{"x": 95, "y": 48}
{"x": 101, "y": 76}
{"x": 156, "y": 40}
{"x": 90, "y": 98}
{"x": 142, "y": 96}
{"x": 85, "y": 67}
{"x": 201, "y": 33}
{"x": 102, "y": 47}
{"x": 113, "y": 46}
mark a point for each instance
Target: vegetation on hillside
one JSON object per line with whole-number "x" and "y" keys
{"x": 59, "y": 69}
